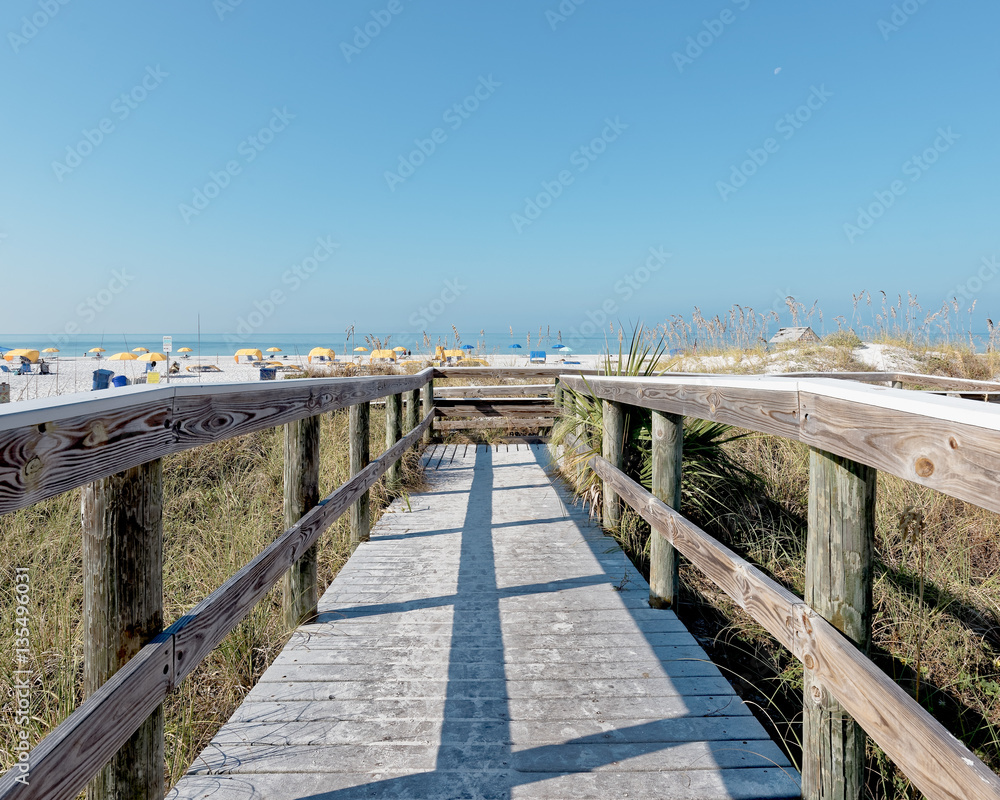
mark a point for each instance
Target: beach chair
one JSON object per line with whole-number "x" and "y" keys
{"x": 536, "y": 357}
{"x": 43, "y": 368}
{"x": 25, "y": 369}
{"x": 5, "y": 368}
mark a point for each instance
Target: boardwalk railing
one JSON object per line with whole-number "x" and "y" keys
{"x": 944, "y": 443}
{"x": 111, "y": 444}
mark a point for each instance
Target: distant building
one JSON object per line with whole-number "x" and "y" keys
{"x": 794, "y": 336}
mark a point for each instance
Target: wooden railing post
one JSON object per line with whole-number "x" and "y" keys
{"x": 393, "y": 433}
{"x": 612, "y": 448}
{"x": 427, "y": 401}
{"x": 412, "y": 410}
{"x": 557, "y": 394}
{"x": 300, "y": 590}
{"x": 358, "y": 428}
{"x": 123, "y": 609}
{"x": 667, "y": 456}
{"x": 838, "y": 588}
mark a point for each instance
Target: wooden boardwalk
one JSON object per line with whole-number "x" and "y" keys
{"x": 490, "y": 642}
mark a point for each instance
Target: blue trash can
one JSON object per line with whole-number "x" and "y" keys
{"x": 120, "y": 380}
{"x": 268, "y": 373}
{"x": 101, "y": 378}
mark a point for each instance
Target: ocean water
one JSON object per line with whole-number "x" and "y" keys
{"x": 213, "y": 344}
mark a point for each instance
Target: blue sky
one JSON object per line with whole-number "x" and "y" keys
{"x": 241, "y": 139}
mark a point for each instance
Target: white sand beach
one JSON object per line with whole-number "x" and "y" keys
{"x": 71, "y": 374}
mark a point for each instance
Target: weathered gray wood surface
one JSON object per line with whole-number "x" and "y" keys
{"x": 938, "y": 764}
{"x": 300, "y": 590}
{"x": 490, "y": 642}
{"x": 613, "y": 449}
{"x": 64, "y": 761}
{"x": 519, "y": 373}
{"x": 358, "y": 431}
{"x": 49, "y": 446}
{"x": 838, "y": 587}
{"x": 393, "y": 432}
{"x": 508, "y": 390}
{"x": 944, "y": 443}
{"x": 122, "y": 519}
{"x": 667, "y": 447}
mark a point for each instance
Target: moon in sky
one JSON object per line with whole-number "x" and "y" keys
{"x": 777, "y": 70}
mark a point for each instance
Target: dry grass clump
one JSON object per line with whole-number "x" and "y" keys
{"x": 223, "y": 505}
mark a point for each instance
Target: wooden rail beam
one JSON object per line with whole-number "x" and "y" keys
{"x": 123, "y": 611}
{"x": 49, "y": 446}
{"x": 944, "y": 443}
{"x": 300, "y": 585}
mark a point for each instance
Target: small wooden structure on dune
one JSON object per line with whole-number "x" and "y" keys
{"x": 804, "y": 335}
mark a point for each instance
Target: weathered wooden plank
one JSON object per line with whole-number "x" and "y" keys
{"x": 839, "y": 588}
{"x": 518, "y": 373}
{"x": 53, "y": 445}
{"x": 358, "y": 456}
{"x": 766, "y": 405}
{"x": 667, "y": 457}
{"x": 300, "y": 585}
{"x": 938, "y": 764}
{"x": 944, "y": 443}
{"x": 393, "y": 432}
{"x": 613, "y": 450}
{"x": 903, "y": 378}
{"x": 122, "y": 519}
{"x": 492, "y": 423}
{"x": 65, "y": 760}
{"x": 508, "y": 390}
{"x": 427, "y": 408}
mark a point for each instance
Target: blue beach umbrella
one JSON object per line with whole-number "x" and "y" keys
{"x": 468, "y": 347}
{"x": 558, "y": 346}
{"x": 514, "y": 347}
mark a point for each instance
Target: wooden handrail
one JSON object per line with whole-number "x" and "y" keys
{"x": 944, "y": 443}
{"x": 65, "y": 760}
{"x": 937, "y": 763}
{"x": 49, "y": 447}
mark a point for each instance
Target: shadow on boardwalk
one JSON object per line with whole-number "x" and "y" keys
{"x": 557, "y": 681}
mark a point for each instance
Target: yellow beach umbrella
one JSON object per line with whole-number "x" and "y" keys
{"x": 399, "y": 349}
{"x": 273, "y": 350}
{"x": 247, "y": 351}
{"x": 123, "y": 357}
{"x": 96, "y": 350}
{"x": 185, "y": 350}
{"x": 140, "y": 349}
{"x": 51, "y": 350}
{"x": 360, "y": 349}
{"x": 321, "y": 351}
{"x": 21, "y": 352}
{"x": 152, "y": 357}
